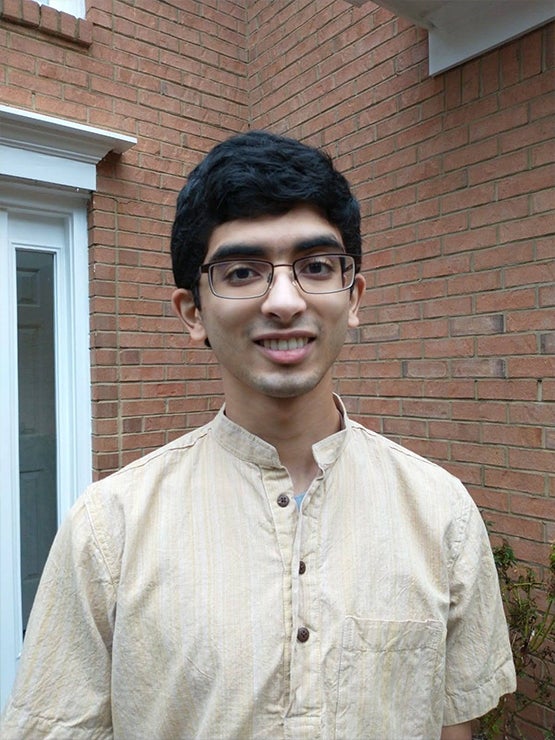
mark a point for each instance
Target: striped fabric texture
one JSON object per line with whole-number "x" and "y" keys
{"x": 187, "y": 596}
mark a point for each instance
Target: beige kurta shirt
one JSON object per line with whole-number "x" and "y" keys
{"x": 186, "y": 596}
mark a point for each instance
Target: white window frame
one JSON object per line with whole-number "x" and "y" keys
{"x": 73, "y": 7}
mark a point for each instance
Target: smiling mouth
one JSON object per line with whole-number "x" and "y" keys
{"x": 284, "y": 344}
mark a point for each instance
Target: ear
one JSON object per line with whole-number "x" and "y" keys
{"x": 184, "y": 307}
{"x": 356, "y": 299}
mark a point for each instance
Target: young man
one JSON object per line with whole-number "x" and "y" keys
{"x": 281, "y": 572}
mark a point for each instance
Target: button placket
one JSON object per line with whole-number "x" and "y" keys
{"x": 305, "y": 675}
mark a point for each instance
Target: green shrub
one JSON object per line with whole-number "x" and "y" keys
{"x": 529, "y": 603}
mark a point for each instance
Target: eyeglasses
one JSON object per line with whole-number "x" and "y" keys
{"x": 252, "y": 278}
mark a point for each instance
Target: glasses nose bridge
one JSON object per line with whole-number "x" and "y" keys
{"x": 292, "y": 274}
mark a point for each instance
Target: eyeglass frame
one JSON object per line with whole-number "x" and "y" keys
{"x": 207, "y": 268}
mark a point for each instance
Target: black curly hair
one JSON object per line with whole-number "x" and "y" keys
{"x": 255, "y": 174}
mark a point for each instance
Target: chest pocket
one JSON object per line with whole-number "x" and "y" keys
{"x": 390, "y": 682}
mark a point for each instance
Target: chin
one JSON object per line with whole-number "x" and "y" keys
{"x": 287, "y": 387}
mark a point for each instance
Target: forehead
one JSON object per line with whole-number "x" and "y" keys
{"x": 274, "y": 236}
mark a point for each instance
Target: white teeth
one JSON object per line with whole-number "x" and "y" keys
{"x": 284, "y": 344}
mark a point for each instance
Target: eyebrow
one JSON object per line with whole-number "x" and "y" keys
{"x": 238, "y": 249}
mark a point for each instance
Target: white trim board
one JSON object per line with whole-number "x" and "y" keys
{"x": 51, "y": 150}
{"x": 459, "y": 30}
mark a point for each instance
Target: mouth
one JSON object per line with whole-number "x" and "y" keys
{"x": 281, "y": 345}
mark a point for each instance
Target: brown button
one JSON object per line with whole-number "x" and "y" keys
{"x": 283, "y": 500}
{"x": 302, "y": 634}
{"x": 302, "y": 567}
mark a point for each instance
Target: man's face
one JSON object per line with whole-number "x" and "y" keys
{"x": 284, "y": 343}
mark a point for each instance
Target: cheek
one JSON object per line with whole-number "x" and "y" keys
{"x": 226, "y": 323}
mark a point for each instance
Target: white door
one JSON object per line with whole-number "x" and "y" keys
{"x": 44, "y": 397}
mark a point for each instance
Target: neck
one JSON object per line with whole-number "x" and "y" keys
{"x": 292, "y": 426}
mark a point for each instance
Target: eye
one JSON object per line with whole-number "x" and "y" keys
{"x": 239, "y": 273}
{"x": 320, "y": 266}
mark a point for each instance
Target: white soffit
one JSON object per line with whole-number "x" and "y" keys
{"x": 462, "y": 29}
{"x": 52, "y": 150}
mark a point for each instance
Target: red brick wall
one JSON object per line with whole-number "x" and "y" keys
{"x": 455, "y": 174}
{"x": 176, "y": 78}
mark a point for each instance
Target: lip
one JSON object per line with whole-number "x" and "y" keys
{"x": 285, "y": 349}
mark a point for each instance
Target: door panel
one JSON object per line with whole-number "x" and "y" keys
{"x": 37, "y": 417}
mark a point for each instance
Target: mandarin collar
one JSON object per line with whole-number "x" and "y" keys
{"x": 250, "y": 448}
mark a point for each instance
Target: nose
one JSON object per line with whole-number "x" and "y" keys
{"x": 284, "y": 299}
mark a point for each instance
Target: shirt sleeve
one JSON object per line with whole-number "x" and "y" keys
{"x": 479, "y": 662}
{"x": 62, "y": 690}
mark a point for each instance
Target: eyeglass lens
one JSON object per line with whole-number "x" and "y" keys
{"x": 246, "y": 278}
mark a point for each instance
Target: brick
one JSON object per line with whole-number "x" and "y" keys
{"x": 547, "y": 295}
{"x": 468, "y": 155}
{"x": 518, "y": 481}
{"x": 30, "y": 13}
{"x": 547, "y": 343}
{"x": 505, "y": 210}
{"x": 497, "y": 168}
{"x": 442, "y": 184}
{"x": 469, "y": 198}
{"x": 476, "y": 239}
{"x": 448, "y": 388}
{"x": 447, "y": 347}
{"x": 400, "y": 350}
{"x": 493, "y": 324}
{"x": 489, "y": 500}
{"x": 507, "y": 300}
{"x": 517, "y": 526}
{"x": 531, "y": 367}
{"x": 537, "y": 460}
{"x": 516, "y": 436}
{"x": 431, "y": 328}
{"x": 452, "y": 306}
{"x": 473, "y": 283}
{"x": 522, "y": 321}
{"x": 513, "y": 344}
{"x": 498, "y": 122}
{"x": 509, "y": 390}
{"x": 533, "y": 226}
{"x": 531, "y": 413}
{"x": 404, "y": 427}
{"x": 430, "y": 449}
{"x": 463, "y": 432}
{"x": 424, "y": 369}
{"x": 12, "y": 10}
{"x": 542, "y": 154}
{"x": 476, "y": 411}
{"x": 532, "y": 506}
{"x": 478, "y": 368}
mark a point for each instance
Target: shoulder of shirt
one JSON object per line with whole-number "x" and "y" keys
{"x": 435, "y": 482}
{"x": 158, "y": 456}
{"x": 395, "y": 450}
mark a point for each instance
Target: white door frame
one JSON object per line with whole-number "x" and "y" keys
{"x": 73, "y": 397}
